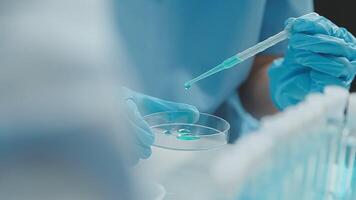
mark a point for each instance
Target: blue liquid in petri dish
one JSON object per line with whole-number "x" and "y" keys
{"x": 184, "y": 131}
{"x": 185, "y": 134}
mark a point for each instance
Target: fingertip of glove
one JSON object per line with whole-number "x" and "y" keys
{"x": 195, "y": 110}
{"x": 131, "y": 103}
{"x": 151, "y": 139}
{"x": 313, "y": 24}
{"x": 191, "y": 112}
{"x": 196, "y": 116}
{"x": 289, "y": 21}
{"x": 142, "y": 151}
{"x": 145, "y": 134}
{"x": 132, "y": 106}
{"x": 300, "y": 25}
{"x": 146, "y": 153}
{"x": 195, "y": 113}
{"x": 303, "y": 23}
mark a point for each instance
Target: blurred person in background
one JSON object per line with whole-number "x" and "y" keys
{"x": 61, "y": 128}
{"x": 166, "y": 43}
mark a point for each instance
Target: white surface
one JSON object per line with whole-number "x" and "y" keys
{"x": 185, "y": 175}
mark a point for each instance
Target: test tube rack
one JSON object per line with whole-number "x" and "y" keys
{"x": 307, "y": 152}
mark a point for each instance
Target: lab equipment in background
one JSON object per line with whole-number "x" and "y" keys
{"x": 181, "y": 133}
{"x": 246, "y": 54}
{"x": 306, "y": 152}
{"x": 351, "y": 146}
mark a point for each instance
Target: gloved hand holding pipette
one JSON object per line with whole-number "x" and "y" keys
{"x": 248, "y": 53}
{"x": 139, "y": 105}
{"x": 319, "y": 54}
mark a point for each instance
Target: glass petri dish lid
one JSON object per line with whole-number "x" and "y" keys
{"x": 174, "y": 130}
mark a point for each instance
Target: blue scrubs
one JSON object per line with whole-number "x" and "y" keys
{"x": 167, "y": 42}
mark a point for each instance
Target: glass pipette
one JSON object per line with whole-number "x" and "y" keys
{"x": 240, "y": 57}
{"x": 248, "y": 53}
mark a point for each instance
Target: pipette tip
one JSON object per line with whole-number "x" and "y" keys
{"x": 187, "y": 86}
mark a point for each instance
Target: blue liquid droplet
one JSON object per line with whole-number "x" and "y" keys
{"x": 187, "y": 86}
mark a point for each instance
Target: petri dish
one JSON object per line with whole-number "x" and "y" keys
{"x": 174, "y": 130}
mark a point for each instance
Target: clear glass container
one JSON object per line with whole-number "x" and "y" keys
{"x": 178, "y": 133}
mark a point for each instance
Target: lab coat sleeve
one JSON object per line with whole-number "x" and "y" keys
{"x": 276, "y": 13}
{"x": 240, "y": 120}
{"x": 248, "y": 122}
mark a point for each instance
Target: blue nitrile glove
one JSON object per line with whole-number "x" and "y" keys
{"x": 319, "y": 54}
{"x": 139, "y": 105}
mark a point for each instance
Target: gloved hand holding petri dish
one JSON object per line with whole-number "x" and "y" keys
{"x": 172, "y": 125}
